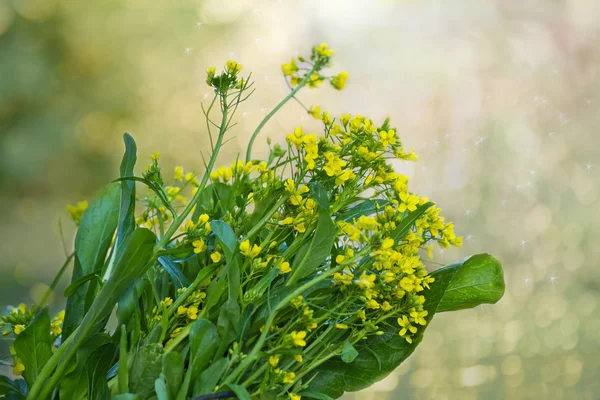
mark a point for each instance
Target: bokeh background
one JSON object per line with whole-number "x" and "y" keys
{"x": 499, "y": 98}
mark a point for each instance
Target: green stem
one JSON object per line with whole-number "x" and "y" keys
{"x": 253, "y": 355}
{"x": 55, "y": 281}
{"x": 274, "y": 110}
{"x": 49, "y": 368}
{"x": 213, "y": 159}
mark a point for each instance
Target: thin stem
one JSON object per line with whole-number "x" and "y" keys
{"x": 213, "y": 159}
{"x": 56, "y": 280}
{"x": 274, "y": 110}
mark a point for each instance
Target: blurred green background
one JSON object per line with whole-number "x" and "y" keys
{"x": 500, "y": 99}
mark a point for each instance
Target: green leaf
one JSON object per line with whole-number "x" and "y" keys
{"x": 366, "y": 207}
{"x": 97, "y": 365}
{"x": 204, "y": 342}
{"x": 126, "y": 222}
{"x": 179, "y": 280}
{"x": 172, "y": 370}
{"x": 476, "y": 280}
{"x": 132, "y": 263}
{"x": 147, "y": 366}
{"x": 240, "y": 392}
{"x": 315, "y": 252}
{"x": 380, "y": 355}
{"x": 349, "y": 353}
{"x": 75, "y": 285}
{"x": 215, "y": 197}
{"x": 10, "y": 389}
{"x": 96, "y": 229}
{"x": 160, "y": 386}
{"x": 229, "y": 243}
{"x": 34, "y": 346}
{"x": 210, "y": 377}
{"x": 92, "y": 241}
{"x": 228, "y": 324}
{"x": 320, "y": 194}
{"x": 409, "y": 221}
{"x": 225, "y": 236}
{"x": 123, "y": 374}
{"x": 127, "y": 396}
{"x": 315, "y": 395}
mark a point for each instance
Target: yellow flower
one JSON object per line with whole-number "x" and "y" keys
{"x": 179, "y": 173}
{"x": 249, "y": 252}
{"x": 181, "y": 310}
{"x": 341, "y": 326}
{"x": 295, "y": 194}
{"x": 293, "y": 396}
{"x": 19, "y": 367}
{"x": 315, "y": 80}
{"x": 76, "y": 212}
{"x": 315, "y": 112}
{"x": 298, "y": 338}
{"x": 199, "y": 246}
{"x": 273, "y": 360}
{"x": 386, "y": 306}
{"x": 339, "y": 81}
{"x": 387, "y": 138}
{"x": 216, "y": 257}
{"x": 289, "y": 377}
{"x": 19, "y": 328}
{"x": 409, "y": 202}
{"x": 387, "y": 243}
{"x": 365, "y": 281}
{"x": 418, "y": 317}
{"x": 298, "y": 358}
{"x": 233, "y": 67}
{"x": 192, "y": 312}
{"x": 155, "y": 156}
{"x": 323, "y": 50}
{"x": 289, "y": 68}
{"x": 373, "y": 304}
{"x": 166, "y": 302}
{"x": 285, "y": 268}
{"x": 406, "y": 327}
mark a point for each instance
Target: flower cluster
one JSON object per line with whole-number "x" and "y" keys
{"x": 255, "y": 273}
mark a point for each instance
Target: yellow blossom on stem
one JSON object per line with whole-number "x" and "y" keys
{"x": 199, "y": 246}
{"x": 298, "y": 338}
{"x": 216, "y": 257}
{"x": 273, "y": 360}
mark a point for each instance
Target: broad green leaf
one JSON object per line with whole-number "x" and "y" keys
{"x": 204, "y": 341}
{"x": 172, "y": 369}
{"x": 160, "y": 387}
{"x": 147, "y": 366}
{"x": 92, "y": 241}
{"x": 210, "y": 377}
{"x": 380, "y": 355}
{"x": 349, "y": 353}
{"x": 96, "y": 229}
{"x": 240, "y": 391}
{"x": 75, "y": 285}
{"x": 179, "y": 280}
{"x": 366, "y": 207}
{"x": 97, "y": 365}
{"x": 316, "y": 251}
{"x": 34, "y": 346}
{"x": 320, "y": 194}
{"x": 408, "y": 222}
{"x": 225, "y": 236}
{"x": 228, "y": 324}
{"x": 132, "y": 263}
{"x": 477, "y": 280}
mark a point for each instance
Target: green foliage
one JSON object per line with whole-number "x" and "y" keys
{"x": 468, "y": 283}
{"x": 258, "y": 285}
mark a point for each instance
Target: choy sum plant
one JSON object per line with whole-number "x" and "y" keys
{"x": 297, "y": 276}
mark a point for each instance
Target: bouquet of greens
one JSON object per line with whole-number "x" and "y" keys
{"x": 298, "y": 276}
